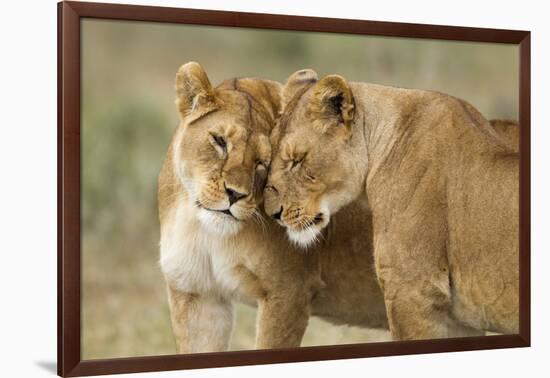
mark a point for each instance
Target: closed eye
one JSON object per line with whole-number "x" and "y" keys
{"x": 220, "y": 141}
{"x": 220, "y": 145}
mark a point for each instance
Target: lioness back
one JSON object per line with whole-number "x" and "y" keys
{"x": 508, "y": 130}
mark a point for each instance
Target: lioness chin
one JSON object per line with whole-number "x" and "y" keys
{"x": 216, "y": 245}
{"x": 442, "y": 186}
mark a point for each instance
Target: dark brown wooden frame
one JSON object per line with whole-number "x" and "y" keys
{"x": 69, "y": 279}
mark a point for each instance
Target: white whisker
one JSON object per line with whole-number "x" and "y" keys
{"x": 307, "y": 236}
{"x": 260, "y": 219}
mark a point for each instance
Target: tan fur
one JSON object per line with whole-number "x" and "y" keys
{"x": 208, "y": 267}
{"x": 508, "y": 131}
{"x": 442, "y": 184}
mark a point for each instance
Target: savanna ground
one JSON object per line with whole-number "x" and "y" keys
{"x": 128, "y": 116}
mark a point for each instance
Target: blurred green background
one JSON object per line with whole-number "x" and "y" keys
{"x": 128, "y": 116}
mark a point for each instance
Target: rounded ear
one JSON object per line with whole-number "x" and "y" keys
{"x": 332, "y": 99}
{"x": 195, "y": 94}
{"x": 296, "y": 82}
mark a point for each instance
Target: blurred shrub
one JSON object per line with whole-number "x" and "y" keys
{"x": 121, "y": 147}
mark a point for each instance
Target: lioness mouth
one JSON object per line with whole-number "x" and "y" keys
{"x": 224, "y": 211}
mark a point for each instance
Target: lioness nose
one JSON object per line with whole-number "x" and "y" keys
{"x": 233, "y": 195}
{"x": 277, "y": 215}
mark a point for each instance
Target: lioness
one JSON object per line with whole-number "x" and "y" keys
{"x": 441, "y": 184}
{"x": 216, "y": 247}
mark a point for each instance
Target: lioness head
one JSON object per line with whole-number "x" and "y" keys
{"x": 312, "y": 165}
{"x": 222, "y": 150}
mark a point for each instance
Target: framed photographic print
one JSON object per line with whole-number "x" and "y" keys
{"x": 239, "y": 188}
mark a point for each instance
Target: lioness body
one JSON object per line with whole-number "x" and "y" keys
{"x": 211, "y": 260}
{"x": 442, "y": 187}
{"x": 449, "y": 237}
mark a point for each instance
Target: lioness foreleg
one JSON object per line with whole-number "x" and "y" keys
{"x": 421, "y": 310}
{"x": 413, "y": 271}
{"x": 281, "y": 321}
{"x": 200, "y": 323}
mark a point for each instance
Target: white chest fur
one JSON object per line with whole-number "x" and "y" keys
{"x": 194, "y": 259}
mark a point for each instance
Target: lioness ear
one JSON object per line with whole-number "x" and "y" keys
{"x": 332, "y": 99}
{"x": 296, "y": 82}
{"x": 195, "y": 94}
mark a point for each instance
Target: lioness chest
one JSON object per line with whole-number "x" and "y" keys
{"x": 197, "y": 261}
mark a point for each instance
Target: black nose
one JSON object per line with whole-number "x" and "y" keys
{"x": 277, "y": 215}
{"x": 233, "y": 195}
